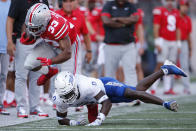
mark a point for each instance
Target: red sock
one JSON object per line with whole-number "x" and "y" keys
{"x": 92, "y": 112}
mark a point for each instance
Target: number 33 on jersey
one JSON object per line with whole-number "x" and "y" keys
{"x": 58, "y": 28}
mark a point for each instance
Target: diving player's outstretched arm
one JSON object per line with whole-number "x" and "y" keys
{"x": 103, "y": 99}
{"x": 63, "y": 120}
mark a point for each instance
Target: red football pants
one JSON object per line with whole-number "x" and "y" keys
{"x": 92, "y": 112}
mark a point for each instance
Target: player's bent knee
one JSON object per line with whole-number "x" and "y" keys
{"x": 31, "y": 64}
{"x": 131, "y": 94}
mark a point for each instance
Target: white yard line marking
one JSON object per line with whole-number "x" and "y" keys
{"x": 166, "y": 112}
{"x": 150, "y": 119}
{"x": 57, "y": 129}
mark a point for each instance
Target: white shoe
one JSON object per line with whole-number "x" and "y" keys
{"x": 21, "y": 113}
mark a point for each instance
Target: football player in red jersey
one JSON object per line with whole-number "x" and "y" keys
{"x": 186, "y": 50}
{"x": 46, "y": 24}
{"x": 166, "y": 38}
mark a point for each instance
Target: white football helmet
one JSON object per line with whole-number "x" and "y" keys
{"x": 37, "y": 19}
{"x": 66, "y": 87}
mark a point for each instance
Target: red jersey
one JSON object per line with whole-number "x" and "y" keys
{"x": 140, "y": 13}
{"x": 77, "y": 19}
{"x": 185, "y": 26}
{"x": 82, "y": 10}
{"x": 94, "y": 17}
{"x": 58, "y": 28}
{"x": 168, "y": 21}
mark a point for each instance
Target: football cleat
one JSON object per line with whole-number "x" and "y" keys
{"x": 43, "y": 78}
{"x": 170, "y": 92}
{"x": 171, "y": 105}
{"x": 8, "y": 105}
{"x": 170, "y": 68}
{"x": 39, "y": 112}
{"x": 3, "y": 111}
{"x": 22, "y": 113}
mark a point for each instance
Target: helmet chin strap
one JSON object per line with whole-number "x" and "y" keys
{"x": 78, "y": 92}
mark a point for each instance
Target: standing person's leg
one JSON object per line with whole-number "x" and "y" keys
{"x": 172, "y": 56}
{"x": 129, "y": 64}
{"x": 161, "y": 57}
{"x": 21, "y": 77}
{"x": 139, "y": 70}
{"x": 101, "y": 60}
{"x": 4, "y": 61}
{"x": 34, "y": 95}
{"x": 112, "y": 57}
{"x": 10, "y": 96}
{"x": 184, "y": 62}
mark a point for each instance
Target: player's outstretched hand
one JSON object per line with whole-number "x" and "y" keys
{"x": 45, "y": 61}
{"x": 97, "y": 122}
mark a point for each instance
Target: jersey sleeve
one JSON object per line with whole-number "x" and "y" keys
{"x": 157, "y": 16}
{"x": 94, "y": 87}
{"x": 84, "y": 29}
{"x": 14, "y": 9}
{"x": 106, "y": 10}
{"x": 60, "y": 106}
{"x": 63, "y": 31}
{"x": 190, "y": 25}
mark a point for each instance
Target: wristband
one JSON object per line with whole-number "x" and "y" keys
{"x": 103, "y": 98}
{"x": 179, "y": 44}
{"x": 74, "y": 123}
{"x": 158, "y": 41}
{"x": 89, "y": 51}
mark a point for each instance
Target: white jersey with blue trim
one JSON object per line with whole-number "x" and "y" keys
{"x": 88, "y": 88}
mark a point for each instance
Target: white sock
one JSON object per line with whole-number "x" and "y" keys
{"x": 44, "y": 70}
{"x": 41, "y": 92}
{"x": 5, "y": 96}
{"x": 46, "y": 95}
{"x": 167, "y": 82}
{"x": 10, "y": 96}
{"x": 155, "y": 84}
{"x": 165, "y": 71}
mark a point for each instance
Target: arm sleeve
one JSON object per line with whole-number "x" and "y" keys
{"x": 84, "y": 29}
{"x": 190, "y": 26}
{"x": 14, "y": 9}
{"x": 106, "y": 10}
{"x": 157, "y": 16}
{"x": 94, "y": 88}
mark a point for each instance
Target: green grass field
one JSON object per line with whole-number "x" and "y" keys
{"x": 142, "y": 118}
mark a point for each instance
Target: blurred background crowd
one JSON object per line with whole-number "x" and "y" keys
{"x": 160, "y": 30}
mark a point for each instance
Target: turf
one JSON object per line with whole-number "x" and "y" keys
{"x": 145, "y": 117}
